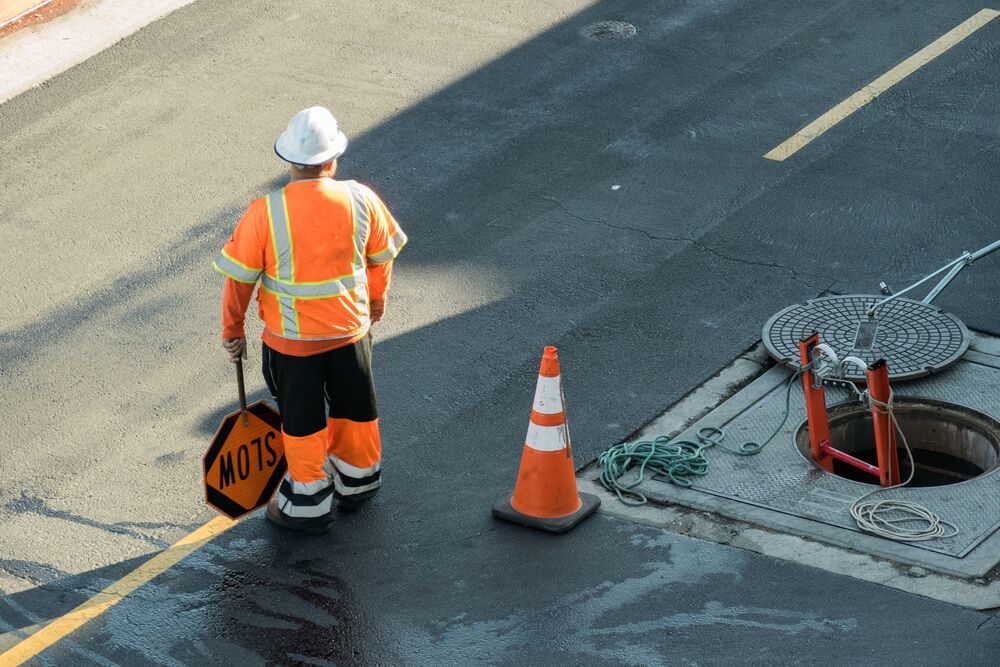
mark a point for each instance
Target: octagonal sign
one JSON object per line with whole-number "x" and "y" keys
{"x": 245, "y": 462}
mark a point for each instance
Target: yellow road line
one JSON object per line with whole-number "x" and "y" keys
{"x": 881, "y": 84}
{"x": 113, "y": 594}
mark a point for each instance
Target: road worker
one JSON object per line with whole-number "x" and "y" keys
{"x": 322, "y": 250}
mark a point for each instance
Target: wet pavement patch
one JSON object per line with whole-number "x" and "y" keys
{"x": 950, "y": 422}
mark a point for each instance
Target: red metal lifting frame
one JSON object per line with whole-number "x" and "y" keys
{"x": 823, "y": 453}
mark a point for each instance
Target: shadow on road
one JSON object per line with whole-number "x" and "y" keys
{"x": 607, "y": 196}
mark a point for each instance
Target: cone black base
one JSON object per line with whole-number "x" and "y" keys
{"x": 503, "y": 510}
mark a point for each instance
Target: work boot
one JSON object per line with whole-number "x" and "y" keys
{"x": 348, "y": 504}
{"x": 313, "y": 526}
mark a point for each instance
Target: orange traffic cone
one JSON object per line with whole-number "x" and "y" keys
{"x": 545, "y": 495}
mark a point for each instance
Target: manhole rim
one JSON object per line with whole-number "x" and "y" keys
{"x": 793, "y": 362}
{"x": 905, "y": 489}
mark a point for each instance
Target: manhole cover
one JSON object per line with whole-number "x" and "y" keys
{"x": 915, "y": 338}
{"x": 607, "y": 31}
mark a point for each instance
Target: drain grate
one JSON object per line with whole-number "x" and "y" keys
{"x": 915, "y": 338}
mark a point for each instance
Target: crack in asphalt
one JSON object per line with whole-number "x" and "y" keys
{"x": 987, "y": 621}
{"x": 793, "y": 274}
{"x": 478, "y": 360}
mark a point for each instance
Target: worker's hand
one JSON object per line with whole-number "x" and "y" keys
{"x": 236, "y": 347}
{"x": 377, "y": 310}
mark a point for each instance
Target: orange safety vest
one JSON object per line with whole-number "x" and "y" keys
{"x": 310, "y": 244}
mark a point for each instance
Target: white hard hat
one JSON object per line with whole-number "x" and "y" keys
{"x": 312, "y": 138}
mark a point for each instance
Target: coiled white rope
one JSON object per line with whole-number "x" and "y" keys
{"x": 898, "y": 520}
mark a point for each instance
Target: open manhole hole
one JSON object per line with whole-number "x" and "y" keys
{"x": 950, "y": 443}
{"x": 608, "y": 31}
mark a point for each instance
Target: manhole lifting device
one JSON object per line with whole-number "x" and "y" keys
{"x": 879, "y": 394}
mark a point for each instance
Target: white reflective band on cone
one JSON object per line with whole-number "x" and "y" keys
{"x": 547, "y": 438}
{"x": 548, "y": 395}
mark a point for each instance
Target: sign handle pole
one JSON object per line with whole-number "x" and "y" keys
{"x": 243, "y": 392}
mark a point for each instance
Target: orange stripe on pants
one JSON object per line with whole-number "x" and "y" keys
{"x": 356, "y": 443}
{"x": 305, "y": 455}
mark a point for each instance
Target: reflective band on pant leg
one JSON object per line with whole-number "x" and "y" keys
{"x": 305, "y": 500}
{"x": 349, "y": 486}
{"x": 350, "y": 480}
{"x": 355, "y": 454}
{"x": 306, "y": 490}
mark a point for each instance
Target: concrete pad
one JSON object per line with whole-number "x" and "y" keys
{"x": 792, "y": 533}
{"x": 757, "y": 485}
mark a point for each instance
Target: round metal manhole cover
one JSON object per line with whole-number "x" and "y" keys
{"x": 608, "y": 31}
{"x": 915, "y": 338}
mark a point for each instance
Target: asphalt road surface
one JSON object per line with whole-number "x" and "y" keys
{"x": 608, "y": 196}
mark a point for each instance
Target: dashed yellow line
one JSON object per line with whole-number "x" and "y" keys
{"x": 113, "y": 594}
{"x": 859, "y": 99}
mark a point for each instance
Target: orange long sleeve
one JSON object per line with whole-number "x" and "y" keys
{"x": 235, "y": 299}
{"x": 379, "y": 277}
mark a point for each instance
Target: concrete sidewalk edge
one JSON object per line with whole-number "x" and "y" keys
{"x": 38, "y": 53}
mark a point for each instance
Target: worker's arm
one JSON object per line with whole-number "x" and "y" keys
{"x": 379, "y": 277}
{"x": 241, "y": 261}
{"x": 235, "y": 299}
{"x": 385, "y": 241}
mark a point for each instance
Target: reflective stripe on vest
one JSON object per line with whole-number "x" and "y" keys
{"x": 283, "y": 285}
{"x": 362, "y": 223}
{"x": 238, "y": 271}
{"x": 396, "y": 241}
{"x": 318, "y": 290}
{"x": 281, "y": 236}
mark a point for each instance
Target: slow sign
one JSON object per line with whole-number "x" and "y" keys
{"x": 245, "y": 462}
